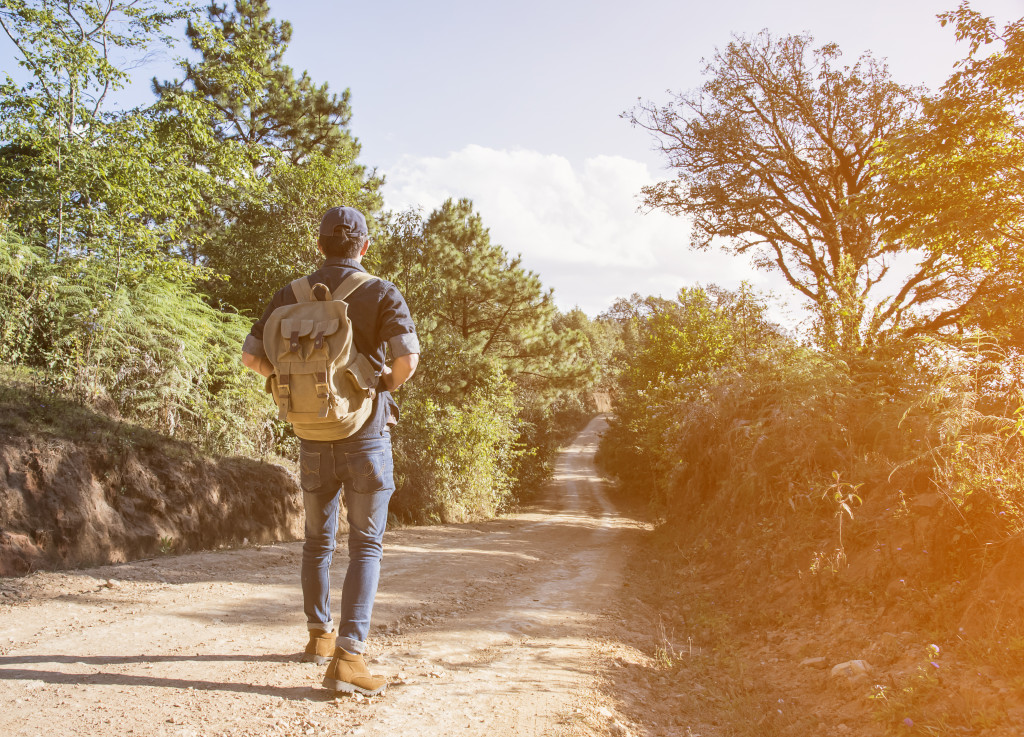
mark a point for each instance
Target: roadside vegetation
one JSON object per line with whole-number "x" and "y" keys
{"x": 871, "y": 465}
{"x": 138, "y": 245}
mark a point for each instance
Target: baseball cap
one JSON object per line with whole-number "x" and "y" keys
{"x": 349, "y": 218}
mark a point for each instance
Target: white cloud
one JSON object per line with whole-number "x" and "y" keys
{"x": 578, "y": 227}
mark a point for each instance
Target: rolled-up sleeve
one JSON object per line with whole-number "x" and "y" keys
{"x": 253, "y": 346}
{"x": 253, "y": 343}
{"x": 404, "y": 344}
{"x": 395, "y": 325}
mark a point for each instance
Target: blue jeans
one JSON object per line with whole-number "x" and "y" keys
{"x": 363, "y": 471}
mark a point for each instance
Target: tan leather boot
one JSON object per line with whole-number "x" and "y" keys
{"x": 320, "y": 647}
{"x": 348, "y": 673}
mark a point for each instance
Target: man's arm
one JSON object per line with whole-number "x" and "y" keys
{"x": 402, "y": 369}
{"x": 260, "y": 365}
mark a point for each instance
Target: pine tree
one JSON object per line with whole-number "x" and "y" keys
{"x": 478, "y": 306}
{"x": 300, "y": 156}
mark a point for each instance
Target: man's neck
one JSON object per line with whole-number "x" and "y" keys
{"x": 354, "y": 263}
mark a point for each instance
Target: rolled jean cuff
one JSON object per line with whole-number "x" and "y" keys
{"x": 353, "y": 646}
{"x": 326, "y": 627}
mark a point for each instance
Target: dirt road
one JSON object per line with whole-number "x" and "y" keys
{"x": 482, "y": 629}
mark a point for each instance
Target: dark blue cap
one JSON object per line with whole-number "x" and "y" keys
{"x": 348, "y": 218}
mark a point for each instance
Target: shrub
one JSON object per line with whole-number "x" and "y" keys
{"x": 143, "y": 341}
{"x": 454, "y": 461}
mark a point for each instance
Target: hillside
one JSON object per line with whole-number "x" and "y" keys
{"x": 78, "y": 487}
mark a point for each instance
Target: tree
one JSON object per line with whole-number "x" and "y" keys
{"x": 477, "y": 299}
{"x": 298, "y": 157}
{"x": 674, "y": 353}
{"x": 78, "y": 175}
{"x": 774, "y": 158}
{"x": 956, "y": 178}
{"x": 260, "y": 102}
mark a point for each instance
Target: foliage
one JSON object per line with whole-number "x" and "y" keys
{"x": 455, "y": 462}
{"x": 136, "y": 236}
{"x": 955, "y": 179}
{"x": 81, "y": 179}
{"x": 148, "y": 344}
{"x": 974, "y": 443}
{"x": 494, "y": 350}
{"x": 273, "y": 239}
{"x": 293, "y": 154}
{"x": 669, "y": 349}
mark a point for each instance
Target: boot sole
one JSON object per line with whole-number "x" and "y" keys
{"x": 318, "y": 659}
{"x": 346, "y": 687}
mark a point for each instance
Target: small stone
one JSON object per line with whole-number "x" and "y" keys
{"x": 851, "y": 669}
{"x": 820, "y": 663}
{"x": 619, "y": 729}
{"x": 605, "y": 712}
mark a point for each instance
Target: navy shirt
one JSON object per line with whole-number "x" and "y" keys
{"x": 380, "y": 320}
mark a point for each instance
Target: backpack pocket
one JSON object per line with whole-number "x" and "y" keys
{"x": 361, "y": 372}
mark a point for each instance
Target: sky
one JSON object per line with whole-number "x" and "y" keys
{"x": 519, "y": 106}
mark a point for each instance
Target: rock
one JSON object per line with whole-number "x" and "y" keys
{"x": 605, "y": 712}
{"x": 619, "y": 729}
{"x": 927, "y": 501}
{"x": 852, "y": 670}
{"x": 820, "y": 663}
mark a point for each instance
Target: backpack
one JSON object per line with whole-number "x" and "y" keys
{"x": 322, "y": 384}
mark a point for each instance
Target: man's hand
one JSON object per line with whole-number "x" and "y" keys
{"x": 260, "y": 365}
{"x": 402, "y": 368}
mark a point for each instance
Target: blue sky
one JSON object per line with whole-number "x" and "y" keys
{"x": 517, "y": 106}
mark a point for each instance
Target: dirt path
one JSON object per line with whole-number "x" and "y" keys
{"x": 483, "y": 629}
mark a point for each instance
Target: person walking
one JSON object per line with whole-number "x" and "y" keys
{"x": 322, "y": 343}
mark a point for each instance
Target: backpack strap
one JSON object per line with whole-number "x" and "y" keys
{"x": 302, "y": 290}
{"x": 351, "y": 283}
{"x": 303, "y": 293}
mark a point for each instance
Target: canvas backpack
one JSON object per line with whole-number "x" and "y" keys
{"x": 321, "y": 383}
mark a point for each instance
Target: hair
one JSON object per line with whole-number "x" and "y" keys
{"x": 341, "y": 244}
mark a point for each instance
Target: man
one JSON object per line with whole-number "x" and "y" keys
{"x": 358, "y": 465}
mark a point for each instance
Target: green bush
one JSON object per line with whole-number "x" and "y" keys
{"x": 143, "y": 342}
{"x": 454, "y": 462}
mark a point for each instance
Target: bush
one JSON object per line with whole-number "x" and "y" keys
{"x": 454, "y": 462}
{"x": 145, "y": 342}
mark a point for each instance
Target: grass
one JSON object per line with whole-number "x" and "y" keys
{"x": 29, "y": 408}
{"x": 919, "y": 704}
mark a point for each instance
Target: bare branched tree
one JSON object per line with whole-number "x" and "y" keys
{"x": 774, "y": 155}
